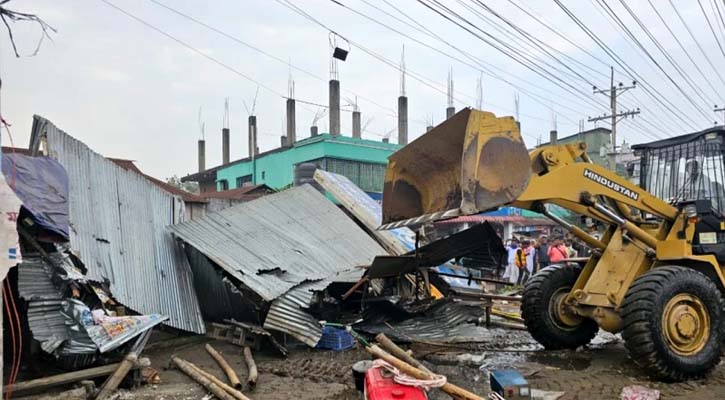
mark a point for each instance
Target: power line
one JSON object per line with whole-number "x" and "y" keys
{"x": 468, "y": 30}
{"x": 667, "y": 55}
{"x": 261, "y": 51}
{"x": 208, "y": 57}
{"x": 548, "y": 25}
{"x": 639, "y": 44}
{"x": 697, "y": 43}
{"x": 481, "y": 64}
{"x": 412, "y": 74}
{"x": 684, "y": 49}
{"x": 479, "y": 68}
{"x": 654, "y": 93}
{"x": 664, "y": 112}
{"x": 503, "y": 47}
{"x": 704, "y": 13}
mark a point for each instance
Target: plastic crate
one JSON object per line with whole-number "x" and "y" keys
{"x": 335, "y": 339}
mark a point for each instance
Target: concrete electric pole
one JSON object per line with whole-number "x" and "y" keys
{"x": 613, "y": 92}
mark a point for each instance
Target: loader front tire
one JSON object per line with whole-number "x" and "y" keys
{"x": 543, "y": 312}
{"x": 672, "y": 318}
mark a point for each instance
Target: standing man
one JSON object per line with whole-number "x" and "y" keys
{"x": 557, "y": 251}
{"x": 511, "y": 273}
{"x": 543, "y": 253}
{"x": 524, "y": 261}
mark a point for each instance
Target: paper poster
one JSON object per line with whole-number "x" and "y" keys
{"x": 9, "y": 209}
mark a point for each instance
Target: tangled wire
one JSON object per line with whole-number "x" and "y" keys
{"x": 15, "y": 16}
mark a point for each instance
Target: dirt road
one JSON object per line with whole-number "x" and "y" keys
{"x": 596, "y": 372}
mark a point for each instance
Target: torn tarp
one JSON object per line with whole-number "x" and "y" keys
{"x": 41, "y": 183}
{"x": 276, "y": 243}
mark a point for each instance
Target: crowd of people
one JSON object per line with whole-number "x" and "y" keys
{"x": 527, "y": 256}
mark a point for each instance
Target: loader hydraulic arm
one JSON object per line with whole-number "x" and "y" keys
{"x": 561, "y": 176}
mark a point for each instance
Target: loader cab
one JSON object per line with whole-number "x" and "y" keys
{"x": 686, "y": 168}
{"x": 689, "y": 172}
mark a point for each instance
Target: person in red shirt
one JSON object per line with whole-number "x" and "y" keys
{"x": 557, "y": 251}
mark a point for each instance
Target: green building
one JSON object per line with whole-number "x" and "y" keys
{"x": 362, "y": 161}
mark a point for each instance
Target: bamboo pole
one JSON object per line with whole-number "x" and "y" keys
{"x": 454, "y": 391}
{"x": 233, "y": 379}
{"x": 252, "y": 367}
{"x": 396, "y": 351}
{"x": 115, "y": 379}
{"x": 234, "y": 392}
{"x": 212, "y": 387}
{"x": 44, "y": 384}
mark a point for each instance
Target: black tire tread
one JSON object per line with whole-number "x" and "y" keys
{"x": 534, "y": 316}
{"x": 637, "y": 310}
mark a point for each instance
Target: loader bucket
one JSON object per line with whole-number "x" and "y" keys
{"x": 472, "y": 162}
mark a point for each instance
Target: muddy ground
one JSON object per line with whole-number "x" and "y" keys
{"x": 596, "y": 372}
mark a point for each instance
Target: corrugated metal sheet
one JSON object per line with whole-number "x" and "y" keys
{"x": 446, "y": 322}
{"x": 44, "y": 304}
{"x": 287, "y": 314}
{"x": 370, "y": 214}
{"x": 274, "y": 243}
{"x": 219, "y": 297}
{"x": 118, "y": 229}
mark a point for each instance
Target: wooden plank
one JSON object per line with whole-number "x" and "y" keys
{"x": 41, "y": 384}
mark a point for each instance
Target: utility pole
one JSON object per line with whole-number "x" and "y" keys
{"x": 722, "y": 110}
{"x": 614, "y": 92}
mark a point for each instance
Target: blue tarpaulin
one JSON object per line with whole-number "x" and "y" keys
{"x": 41, "y": 183}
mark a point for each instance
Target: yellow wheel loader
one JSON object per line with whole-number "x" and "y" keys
{"x": 655, "y": 274}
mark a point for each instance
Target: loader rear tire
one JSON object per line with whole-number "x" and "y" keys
{"x": 539, "y": 306}
{"x": 672, "y": 323}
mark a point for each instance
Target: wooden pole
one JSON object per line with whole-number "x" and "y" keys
{"x": 233, "y": 379}
{"x": 393, "y": 349}
{"x": 42, "y": 384}
{"x": 252, "y": 367}
{"x": 212, "y": 387}
{"x": 117, "y": 377}
{"x": 234, "y": 392}
{"x": 453, "y": 390}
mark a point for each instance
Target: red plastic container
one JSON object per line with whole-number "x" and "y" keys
{"x": 380, "y": 387}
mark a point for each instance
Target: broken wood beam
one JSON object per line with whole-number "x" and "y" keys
{"x": 231, "y": 375}
{"x": 42, "y": 384}
{"x": 234, "y": 392}
{"x": 252, "y": 367}
{"x": 454, "y": 391}
{"x": 194, "y": 374}
{"x": 118, "y": 376}
{"x": 395, "y": 350}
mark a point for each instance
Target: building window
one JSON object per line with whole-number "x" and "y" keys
{"x": 264, "y": 173}
{"x": 223, "y": 184}
{"x": 244, "y": 180}
{"x": 366, "y": 175}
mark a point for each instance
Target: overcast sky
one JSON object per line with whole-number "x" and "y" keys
{"x": 128, "y": 91}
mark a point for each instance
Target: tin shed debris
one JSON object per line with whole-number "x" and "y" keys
{"x": 118, "y": 225}
{"x": 280, "y": 247}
